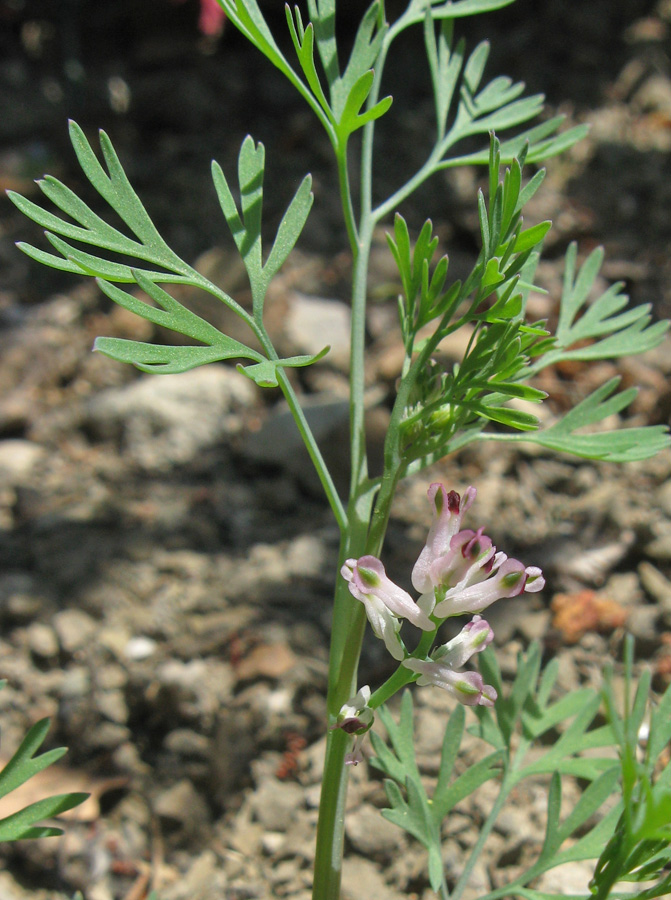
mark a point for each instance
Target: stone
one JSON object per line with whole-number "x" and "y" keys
{"x": 18, "y": 460}
{"x": 42, "y": 640}
{"x": 361, "y": 878}
{"x": 140, "y": 647}
{"x": 171, "y": 420}
{"x": 372, "y": 835}
{"x": 182, "y": 803}
{"x": 112, "y": 705}
{"x": 276, "y": 803}
{"x": 656, "y": 584}
{"x": 312, "y": 323}
{"x": 201, "y": 881}
{"x": 74, "y": 628}
{"x": 186, "y": 742}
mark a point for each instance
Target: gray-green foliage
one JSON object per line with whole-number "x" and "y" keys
{"x": 437, "y": 409}
{"x": 23, "y": 765}
{"x": 114, "y": 187}
{"x": 634, "y": 831}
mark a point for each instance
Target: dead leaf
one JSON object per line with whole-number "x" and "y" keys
{"x": 61, "y": 780}
{"x": 266, "y": 660}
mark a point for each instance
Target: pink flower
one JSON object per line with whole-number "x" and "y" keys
{"x": 481, "y": 587}
{"x": 448, "y": 511}
{"x": 385, "y": 602}
{"x": 211, "y": 19}
{"x": 443, "y": 668}
{"x": 461, "y": 571}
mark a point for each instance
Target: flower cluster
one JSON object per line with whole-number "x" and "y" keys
{"x": 457, "y": 572}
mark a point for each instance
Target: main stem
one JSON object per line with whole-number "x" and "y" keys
{"x": 348, "y": 615}
{"x": 348, "y": 618}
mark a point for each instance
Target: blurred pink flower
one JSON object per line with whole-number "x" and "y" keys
{"x": 211, "y": 19}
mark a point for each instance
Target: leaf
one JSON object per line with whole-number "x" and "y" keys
{"x": 21, "y": 767}
{"x": 351, "y": 118}
{"x": 620, "y": 334}
{"x": 660, "y": 727}
{"x": 532, "y": 237}
{"x": 444, "y": 64}
{"x": 24, "y": 764}
{"x": 163, "y": 359}
{"x": 475, "y": 67}
{"x": 513, "y": 418}
{"x": 114, "y": 187}
{"x": 17, "y": 827}
{"x": 265, "y": 373}
{"x": 365, "y": 53}
{"x": 245, "y": 223}
{"x": 323, "y": 15}
{"x": 248, "y": 18}
{"x": 290, "y": 228}
{"x": 512, "y": 114}
{"x": 623, "y": 445}
{"x": 304, "y": 45}
{"x": 542, "y": 140}
{"x": 558, "y": 712}
{"x": 170, "y": 314}
{"x": 466, "y": 784}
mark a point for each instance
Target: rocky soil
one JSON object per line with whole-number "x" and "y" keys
{"x": 166, "y": 559}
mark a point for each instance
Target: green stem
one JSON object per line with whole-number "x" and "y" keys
{"x": 331, "y": 821}
{"x": 313, "y": 450}
{"x": 348, "y": 618}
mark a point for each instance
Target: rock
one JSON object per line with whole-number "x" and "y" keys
{"x": 42, "y": 640}
{"x": 372, "y": 835}
{"x": 188, "y": 743}
{"x": 571, "y": 878}
{"x": 624, "y": 588}
{"x": 171, "y": 420}
{"x": 656, "y": 584}
{"x": 107, "y": 737}
{"x": 278, "y": 440}
{"x": 140, "y": 647}
{"x": 276, "y": 803}
{"x": 112, "y": 705}
{"x": 643, "y": 623}
{"x": 192, "y": 690}
{"x": 361, "y": 878}
{"x": 74, "y": 629}
{"x": 202, "y": 881}
{"x": 660, "y": 547}
{"x": 18, "y": 460}
{"x": 21, "y": 597}
{"x": 181, "y": 803}
{"x": 312, "y": 323}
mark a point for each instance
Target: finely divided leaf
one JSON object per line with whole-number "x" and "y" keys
{"x": 114, "y": 187}
{"x": 264, "y": 373}
{"x": 245, "y": 223}
{"x": 19, "y": 825}
{"x": 21, "y": 767}
{"x": 168, "y": 313}
{"x": 623, "y": 445}
{"x": 602, "y": 331}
